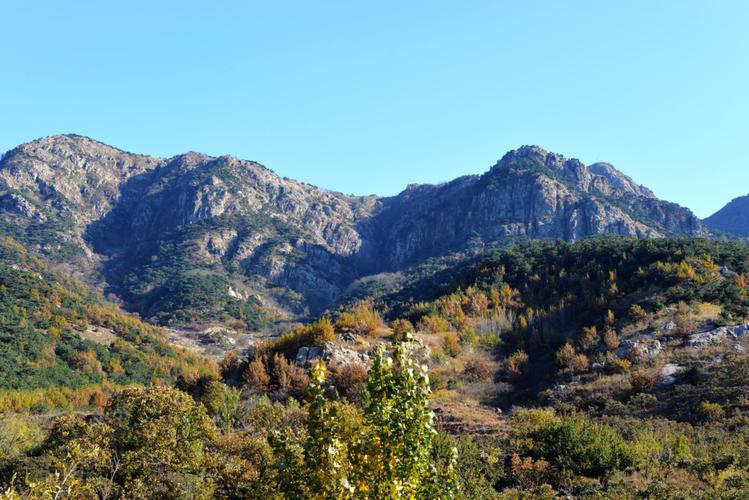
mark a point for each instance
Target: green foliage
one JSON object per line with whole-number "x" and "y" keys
{"x": 709, "y": 411}
{"x": 576, "y": 445}
{"x": 386, "y": 451}
{"x": 42, "y": 317}
{"x": 150, "y": 442}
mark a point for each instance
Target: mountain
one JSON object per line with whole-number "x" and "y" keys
{"x": 195, "y": 238}
{"x": 733, "y": 218}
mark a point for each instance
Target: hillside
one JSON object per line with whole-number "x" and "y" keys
{"x": 647, "y": 338}
{"x": 62, "y": 345}
{"x": 195, "y": 239}
{"x": 733, "y": 218}
{"x": 606, "y": 368}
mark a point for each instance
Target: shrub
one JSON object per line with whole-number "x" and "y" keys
{"x": 529, "y": 473}
{"x": 434, "y": 324}
{"x": 351, "y": 381}
{"x": 450, "y": 345}
{"x": 709, "y": 412}
{"x": 577, "y": 445}
{"x": 515, "y": 365}
{"x": 401, "y": 328}
{"x": 569, "y": 360}
{"x": 643, "y": 381}
{"x": 362, "y": 319}
{"x": 288, "y": 344}
{"x": 611, "y": 339}
{"x": 478, "y": 369}
{"x": 615, "y": 364}
{"x": 255, "y": 377}
{"x": 18, "y": 435}
{"x": 637, "y": 313}
{"x": 289, "y": 378}
{"x": 589, "y": 338}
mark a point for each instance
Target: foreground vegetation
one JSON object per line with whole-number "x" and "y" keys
{"x": 585, "y": 348}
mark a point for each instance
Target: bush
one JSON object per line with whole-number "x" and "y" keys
{"x": 434, "y": 324}
{"x": 288, "y": 344}
{"x": 569, "y": 360}
{"x": 450, "y": 345}
{"x": 643, "y": 381}
{"x": 515, "y": 365}
{"x": 290, "y": 379}
{"x": 579, "y": 446}
{"x": 637, "y": 313}
{"x": 362, "y": 319}
{"x": 589, "y": 338}
{"x": 710, "y": 412}
{"x": 615, "y": 364}
{"x": 478, "y": 369}
{"x": 255, "y": 377}
{"x": 351, "y": 381}
{"x": 401, "y": 328}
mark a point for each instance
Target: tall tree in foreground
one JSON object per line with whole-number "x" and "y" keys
{"x": 385, "y": 453}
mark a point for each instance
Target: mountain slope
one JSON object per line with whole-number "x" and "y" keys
{"x": 62, "y": 344}
{"x": 733, "y": 218}
{"x": 196, "y": 238}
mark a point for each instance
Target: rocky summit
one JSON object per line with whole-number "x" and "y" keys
{"x": 196, "y": 238}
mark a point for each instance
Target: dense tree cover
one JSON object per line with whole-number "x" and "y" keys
{"x": 45, "y": 359}
{"x": 537, "y": 296}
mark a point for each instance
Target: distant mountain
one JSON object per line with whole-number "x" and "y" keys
{"x": 195, "y": 238}
{"x": 733, "y": 218}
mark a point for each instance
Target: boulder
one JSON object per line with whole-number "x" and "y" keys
{"x": 644, "y": 345}
{"x": 668, "y": 373}
{"x": 332, "y": 354}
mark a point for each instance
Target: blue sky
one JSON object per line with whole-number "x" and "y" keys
{"x": 366, "y": 97}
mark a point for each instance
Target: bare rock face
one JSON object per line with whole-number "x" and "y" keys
{"x": 136, "y": 223}
{"x": 332, "y": 354}
{"x": 717, "y": 335}
{"x": 75, "y": 174}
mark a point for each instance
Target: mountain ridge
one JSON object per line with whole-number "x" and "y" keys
{"x": 139, "y": 225}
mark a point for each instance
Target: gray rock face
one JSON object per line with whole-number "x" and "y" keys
{"x": 291, "y": 245}
{"x": 733, "y": 218}
{"x": 702, "y": 339}
{"x": 669, "y": 372}
{"x": 640, "y": 346}
{"x": 332, "y": 354}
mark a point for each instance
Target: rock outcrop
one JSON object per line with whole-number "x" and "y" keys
{"x": 717, "y": 335}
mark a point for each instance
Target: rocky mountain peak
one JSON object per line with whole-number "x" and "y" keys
{"x": 619, "y": 180}
{"x": 82, "y": 174}
{"x": 600, "y": 177}
{"x": 146, "y": 223}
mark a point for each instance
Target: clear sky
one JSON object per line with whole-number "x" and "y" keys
{"x": 366, "y": 97}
